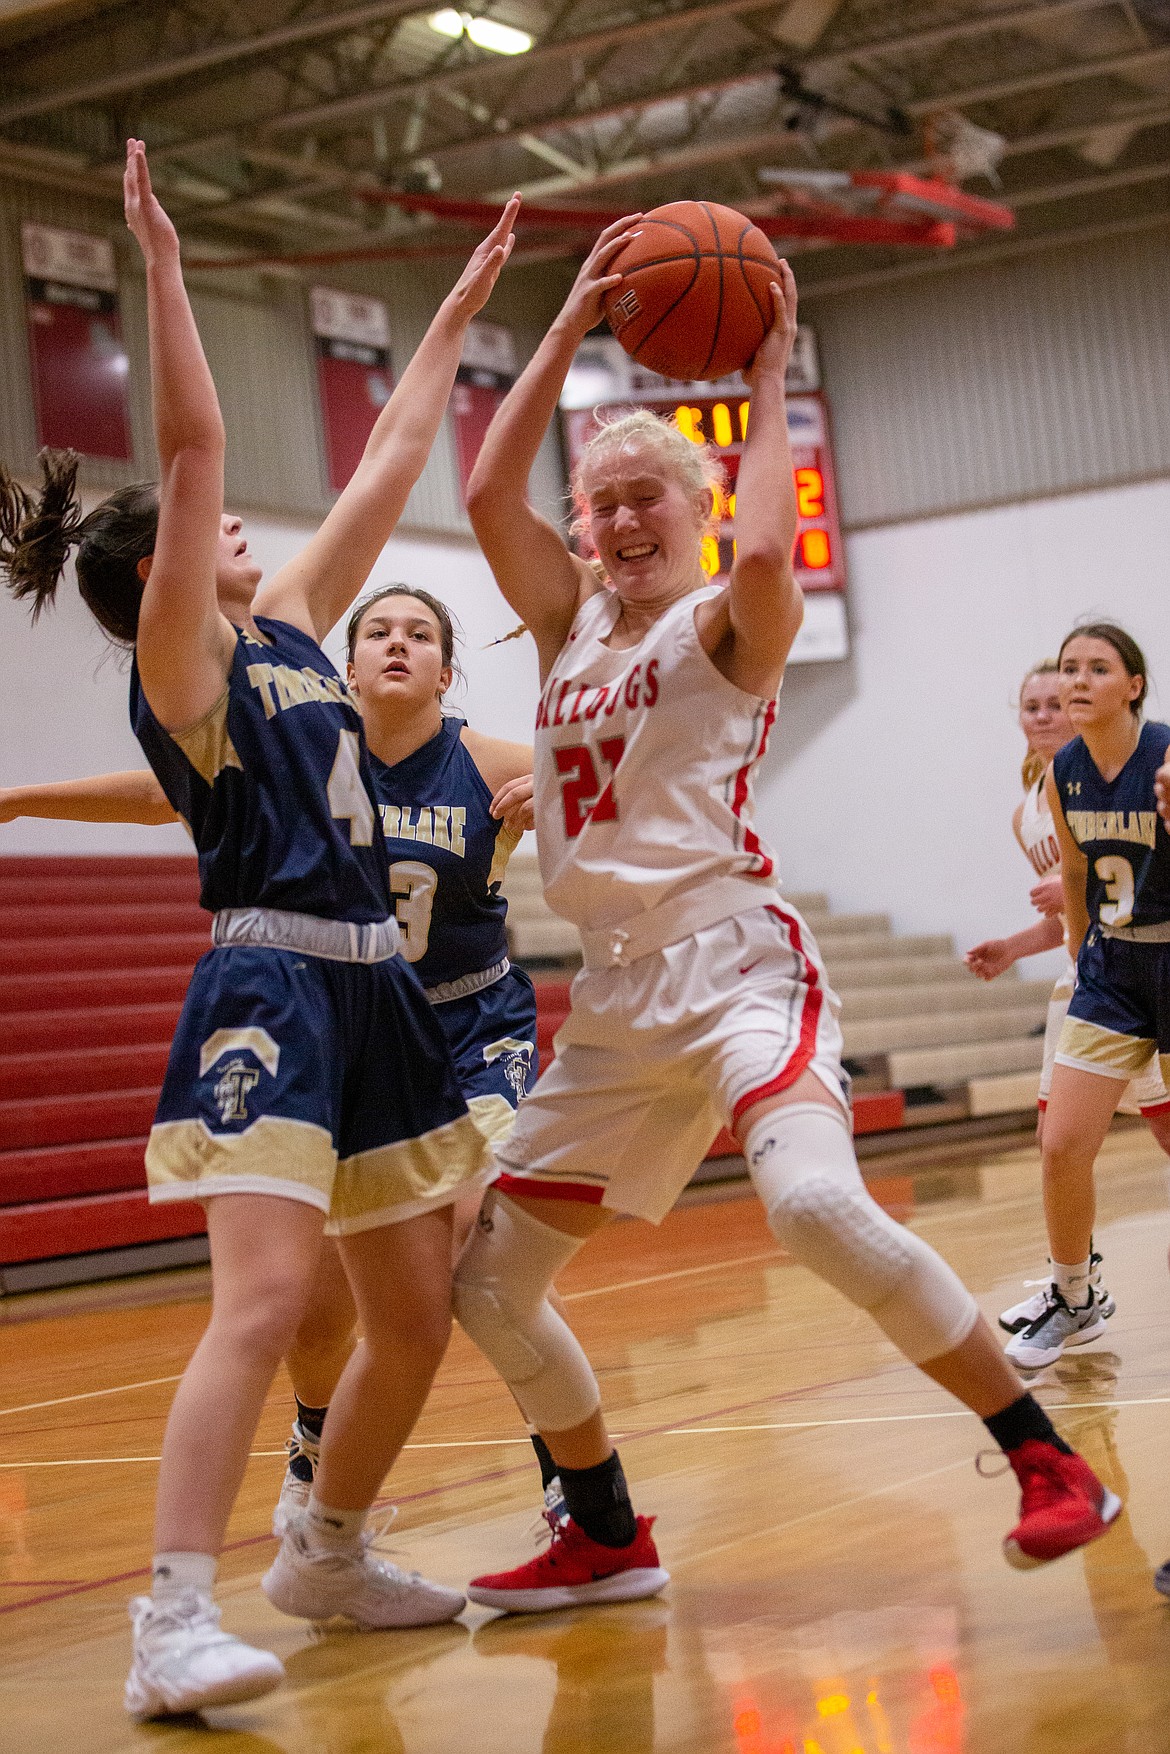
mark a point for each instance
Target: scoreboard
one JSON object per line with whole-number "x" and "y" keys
{"x": 722, "y": 422}
{"x": 604, "y": 383}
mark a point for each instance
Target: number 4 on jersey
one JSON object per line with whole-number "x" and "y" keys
{"x": 348, "y": 799}
{"x": 585, "y": 798}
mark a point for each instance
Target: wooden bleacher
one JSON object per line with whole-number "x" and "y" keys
{"x": 96, "y": 954}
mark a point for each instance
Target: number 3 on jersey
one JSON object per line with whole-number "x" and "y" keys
{"x": 1117, "y": 876}
{"x": 585, "y": 797}
{"x": 414, "y": 884}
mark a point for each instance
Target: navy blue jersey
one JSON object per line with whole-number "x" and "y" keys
{"x": 1117, "y": 827}
{"x": 275, "y": 784}
{"x": 447, "y": 857}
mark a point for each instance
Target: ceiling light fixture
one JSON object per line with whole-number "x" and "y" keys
{"x": 485, "y": 33}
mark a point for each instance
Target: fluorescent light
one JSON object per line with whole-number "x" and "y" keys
{"x": 485, "y": 33}
{"x": 501, "y": 39}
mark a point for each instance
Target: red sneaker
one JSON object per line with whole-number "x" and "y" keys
{"x": 1063, "y": 1505}
{"x": 574, "y": 1571}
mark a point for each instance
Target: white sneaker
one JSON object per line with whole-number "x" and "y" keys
{"x": 1059, "y": 1325}
{"x": 322, "y": 1584}
{"x": 1015, "y": 1319}
{"x": 183, "y": 1661}
{"x": 294, "y": 1492}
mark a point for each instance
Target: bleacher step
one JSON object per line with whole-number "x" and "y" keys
{"x": 56, "y": 1172}
{"x": 82, "y": 1071}
{"x": 67, "y": 955}
{"x": 81, "y": 988}
{"x": 892, "y": 1034}
{"x": 956, "y": 1065}
{"x": 103, "y": 1026}
{"x": 965, "y": 993}
{"x": 75, "y": 1120}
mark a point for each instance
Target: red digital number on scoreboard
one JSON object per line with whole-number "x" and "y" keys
{"x": 818, "y": 556}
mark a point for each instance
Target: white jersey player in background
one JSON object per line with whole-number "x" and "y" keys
{"x": 1047, "y": 728}
{"x": 702, "y": 1001}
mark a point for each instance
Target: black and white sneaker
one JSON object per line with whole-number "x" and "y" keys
{"x": 1015, "y": 1319}
{"x": 1059, "y": 1324}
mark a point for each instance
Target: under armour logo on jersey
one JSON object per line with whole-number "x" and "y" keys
{"x": 1073, "y": 788}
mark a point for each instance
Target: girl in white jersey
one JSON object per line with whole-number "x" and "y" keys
{"x": 1047, "y": 729}
{"x": 702, "y": 1000}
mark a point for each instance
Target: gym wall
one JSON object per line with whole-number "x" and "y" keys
{"x": 1003, "y": 447}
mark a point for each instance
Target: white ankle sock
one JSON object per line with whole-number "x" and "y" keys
{"x": 337, "y": 1531}
{"x": 172, "y": 1573}
{"x": 1073, "y": 1283}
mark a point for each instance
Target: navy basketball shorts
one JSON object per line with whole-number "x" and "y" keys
{"x": 492, "y": 1038}
{"x": 1118, "y": 1019}
{"x": 314, "y": 1080}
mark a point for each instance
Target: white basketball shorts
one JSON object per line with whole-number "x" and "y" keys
{"x": 655, "y": 1057}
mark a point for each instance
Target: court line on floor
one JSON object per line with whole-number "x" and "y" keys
{"x": 122, "y": 1388}
{"x": 676, "y": 1273}
{"x": 658, "y": 1431}
{"x": 568, "y": 1297}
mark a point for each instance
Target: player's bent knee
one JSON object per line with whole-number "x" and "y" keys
{"x": 501, "y": 1302}
{"x": 802, "y": 1162}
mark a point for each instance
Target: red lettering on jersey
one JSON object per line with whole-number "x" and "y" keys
{"x": 650, "y": 692}
{"x": 611, "y": 706}
{"x": 565, "y": 687}
{"x": 542, "y": 713}
{"x": 575, "y": 715}
{"x": 632, "y": 681}
{"x": 596, "y": 704}
{"x": 605, "y": 809}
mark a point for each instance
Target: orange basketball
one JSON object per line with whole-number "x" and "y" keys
{"x": 693, "y": 300}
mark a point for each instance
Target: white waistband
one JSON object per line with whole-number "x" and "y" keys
{"x": 445, "y": 991}
{"x": 271, "y": 928}
{"x": 680, "y": 917}
{"x": 1157, "y": 933}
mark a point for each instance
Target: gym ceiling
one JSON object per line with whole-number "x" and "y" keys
{"x": 266, "y": 120}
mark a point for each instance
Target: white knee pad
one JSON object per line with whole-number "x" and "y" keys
{"x": 802, "y": 1163}
{"x": 501, "y": 1302}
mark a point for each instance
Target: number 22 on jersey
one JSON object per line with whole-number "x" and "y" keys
{"x": 586, "y": 797}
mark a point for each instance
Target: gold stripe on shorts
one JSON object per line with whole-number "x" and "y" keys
{"x": 1088, "y": 1044}
{"x": 414, "y": 1173}
{"x": 493, "y": 1115}
{"x": 273, "y": 1150}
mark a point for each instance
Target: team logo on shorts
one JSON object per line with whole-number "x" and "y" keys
{"x": 517, "y": 1061}
{"x": 231, "y": 1090}
{"x": 239, "y": 1077}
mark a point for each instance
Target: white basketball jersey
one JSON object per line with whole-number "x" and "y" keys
{"x": 643, "y": 770}
{"x": 1037, "y": 832}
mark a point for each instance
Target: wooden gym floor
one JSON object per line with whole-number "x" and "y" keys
{"x": 838, "y": 1583}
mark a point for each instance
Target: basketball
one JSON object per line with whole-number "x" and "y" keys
{"x": 694, "y": 299}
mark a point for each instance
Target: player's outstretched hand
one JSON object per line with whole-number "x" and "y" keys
{"x": 775, "y": 349}
{"x": 474, "y": 286}
{"x": 1162, "y": 792}
{"x": 1047, "y": 897}
{"x": 144, "y": 211}
{"x": 513, "y": 806}
{"x": 585, "y": 305}
{"x": 989, "y": 959}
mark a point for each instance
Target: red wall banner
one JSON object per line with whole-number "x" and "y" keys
{"x": 354, "y": 379}
{"x": 80, "y": 370}
{"x": 486, "y": 373}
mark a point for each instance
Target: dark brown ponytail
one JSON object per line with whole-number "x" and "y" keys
{"x": 37, "y": 532}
